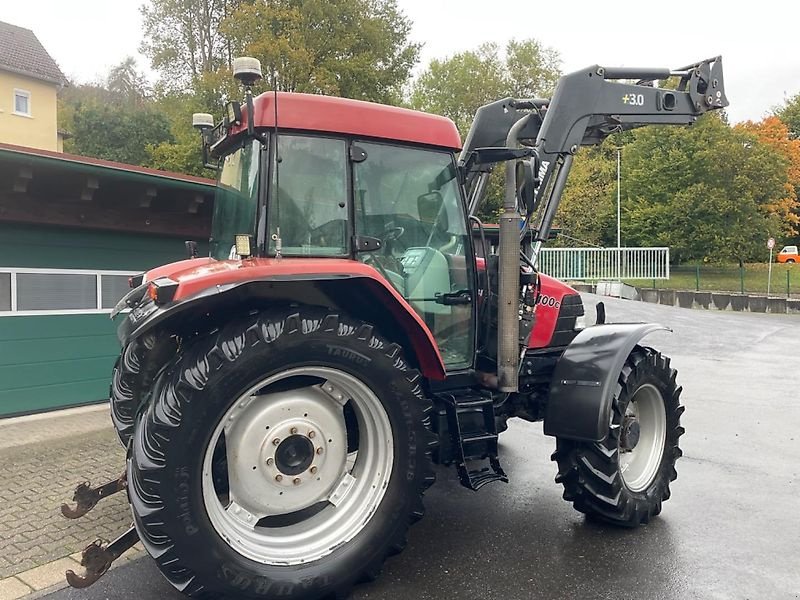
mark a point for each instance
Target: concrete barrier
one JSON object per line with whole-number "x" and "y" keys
{"x": 757, "y": 304}
{"x": 702, "y": 299}
{"x": 721, "y": 301}
{"x": 776, "y": 305}
{"x": 793, "y": 306}
{"x": 649, "y": 295}
{"x": 685, "y": 298}
{"x": 666, "y": 297}
{"x": 738, "y": 302}
{"x": 587, "y": 288}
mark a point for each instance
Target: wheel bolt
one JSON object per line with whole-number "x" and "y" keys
{"x": 269, "y": 462}
{"x": 293, "y": 430}
{"x": 296, "y": 481}
{"x": 311, "y": 434}
{"x": 278, "y": 477}
{"x": 319, "y": 450}
{"x": 313, "y": 470}
{"x": 276, "y": 441}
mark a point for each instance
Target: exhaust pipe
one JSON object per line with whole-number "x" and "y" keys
{"x": 508, "y": 275}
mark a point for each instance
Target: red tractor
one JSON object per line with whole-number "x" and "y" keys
{"x": 283, "y": 401}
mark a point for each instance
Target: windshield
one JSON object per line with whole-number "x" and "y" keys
{"x": 236, "y": 200}
{"x": 409, "y": 199}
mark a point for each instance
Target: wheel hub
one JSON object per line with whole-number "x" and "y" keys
{"x": 294, "y": 455}
{"x": 291, "y": 450}
{"x": 630, "y": 433}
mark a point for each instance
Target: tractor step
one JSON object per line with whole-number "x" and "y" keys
{"x": 468, "y": 417}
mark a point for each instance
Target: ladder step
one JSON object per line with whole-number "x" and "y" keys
{"x": 475, "y": 414}
{"x": 479, "y": 403}
{"x": 474, "y": 438}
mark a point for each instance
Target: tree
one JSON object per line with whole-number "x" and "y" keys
{"x": 126, "y": 82}
{"x": 789, "y": 113}
{"x": 705, "y": 191}
{"x": 350, "y": 48}
{"x": 587, "y": 213}
{"x": 458, "y": 86}
{"x": 114, "y": 119}
{"x": 182, "y": 38}
{"x": 773, "y": 133}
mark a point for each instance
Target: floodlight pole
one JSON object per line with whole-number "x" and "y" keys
{"x": 619, "y": 229}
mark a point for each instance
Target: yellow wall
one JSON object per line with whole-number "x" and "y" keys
{"x": 38, "y": 130}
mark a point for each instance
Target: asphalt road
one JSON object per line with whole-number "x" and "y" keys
{"x": 730, "y": 530}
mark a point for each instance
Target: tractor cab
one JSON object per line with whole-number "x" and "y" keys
{"x": 373, "y": 184}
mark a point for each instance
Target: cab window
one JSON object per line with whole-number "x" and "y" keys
{"x": 410, "y": 200}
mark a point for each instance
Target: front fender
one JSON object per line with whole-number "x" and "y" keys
{"x": 585, "y": 380}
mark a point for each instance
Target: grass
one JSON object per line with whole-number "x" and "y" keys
{"x": 728, "y": 278}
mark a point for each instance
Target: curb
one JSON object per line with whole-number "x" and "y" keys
{"x": 49, "y": 577}
{"x": 720, "y": 301}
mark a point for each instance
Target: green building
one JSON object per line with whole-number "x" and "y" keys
{"x": 72, "y": 230}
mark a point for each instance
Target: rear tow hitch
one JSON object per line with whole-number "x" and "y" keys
{"x": 97, "y": 559}
{"x": 87, "y": 497}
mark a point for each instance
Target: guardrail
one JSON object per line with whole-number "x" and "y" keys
{"x": 592, "y": 264}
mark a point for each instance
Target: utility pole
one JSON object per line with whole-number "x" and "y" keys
{"x": 619, "y": 230}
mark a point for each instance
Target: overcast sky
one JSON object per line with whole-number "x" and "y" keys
{"x": 758, "y": 40}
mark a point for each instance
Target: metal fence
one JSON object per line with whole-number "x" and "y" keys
{"x": 588, "y": 264}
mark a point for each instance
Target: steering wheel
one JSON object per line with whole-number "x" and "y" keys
{"x": 391, "y": 233}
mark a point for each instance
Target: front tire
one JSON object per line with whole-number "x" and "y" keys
{"x": 624, "y": 479}
{"x": 283, "y": 456}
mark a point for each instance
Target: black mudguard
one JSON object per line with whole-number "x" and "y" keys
{"x": 585, "y": 380}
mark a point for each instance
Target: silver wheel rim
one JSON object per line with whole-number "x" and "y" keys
{"x": 273, "y": 514}
{"x": 640, "y": 465}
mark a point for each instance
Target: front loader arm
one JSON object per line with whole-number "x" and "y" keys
{"x": 591, "y": 104}
{"x": 587, "y": 106}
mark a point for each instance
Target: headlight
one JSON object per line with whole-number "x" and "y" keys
{"x": 580, "y": 322}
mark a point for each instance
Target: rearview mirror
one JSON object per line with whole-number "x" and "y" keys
{"x": 527, "y": 174}
{"x": 430, "y": 207}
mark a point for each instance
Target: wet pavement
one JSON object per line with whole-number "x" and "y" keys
{"x": 731, "y": 529}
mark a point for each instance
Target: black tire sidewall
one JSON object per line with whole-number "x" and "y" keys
{"x": 198, "y": 545}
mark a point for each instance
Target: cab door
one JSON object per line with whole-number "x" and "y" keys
{"x": 410, "y": 199}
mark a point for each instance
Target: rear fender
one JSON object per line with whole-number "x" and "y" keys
{"x": 370, "y": 299}
{"x": 585, "y": 379}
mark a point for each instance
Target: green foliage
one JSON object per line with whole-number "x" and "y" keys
{"x": 182, "y": 38}
{"x": 458, "y": 86}
{"x": 702, "y": 190}
{"x": 789, "y": 113}
{"x": 118, "y": 133}
{"x": 113, "y": 120}
{"x": 587, "y": 214}
{"x": 350, "y": 48}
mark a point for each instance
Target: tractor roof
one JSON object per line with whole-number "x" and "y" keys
{"x": 327, "y": 114}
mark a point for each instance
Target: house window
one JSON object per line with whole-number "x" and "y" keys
{"x": 28, "y": 291}
{"x": 56, "y": 291}
{"x": 114, "y": 287}
{"x": 5, "y": 291}
{"x": 22, "y": 103}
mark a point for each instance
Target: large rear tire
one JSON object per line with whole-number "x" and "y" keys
{"x": 624, "y": 479}
{"x": 283, "y": 456}
{"x": 136, "y": 368}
